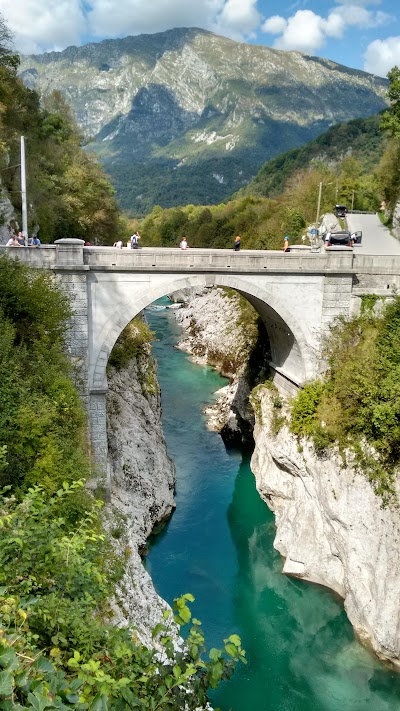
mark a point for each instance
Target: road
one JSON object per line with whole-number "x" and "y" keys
{"x": 376, "y": 238}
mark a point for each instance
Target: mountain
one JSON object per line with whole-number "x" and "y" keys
{"x": 361, "y": 139}
{"x": 185, "y": 116}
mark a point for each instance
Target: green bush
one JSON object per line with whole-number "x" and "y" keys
{"x": 304, "y": 415}
{"x": 135, "y": 337}
{"x": 55, "y": 583}
{"x": 42, "y": 422}
{"x": 359, "y": 399}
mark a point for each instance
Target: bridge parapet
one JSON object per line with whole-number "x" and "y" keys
{"x": 215, "y": 260}
{"x": 71, "y": 254}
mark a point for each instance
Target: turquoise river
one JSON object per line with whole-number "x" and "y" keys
{"x": 218, "y": 545}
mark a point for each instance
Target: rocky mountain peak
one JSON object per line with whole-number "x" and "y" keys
{"x": 168, "y": 112}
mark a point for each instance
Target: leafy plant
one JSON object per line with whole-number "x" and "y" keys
{"x": 357, "y": 404}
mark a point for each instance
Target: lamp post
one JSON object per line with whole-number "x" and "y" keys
{"x": 319, "y": 205}
{"x": 24, "y": 205}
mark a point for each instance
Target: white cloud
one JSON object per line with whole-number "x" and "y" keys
{"x": 43, "y": 24}
{"x": 238, "y": 18}
{"x": 106, "y": 18}
{"x": 382, "y": 55}
{"x": 275, "y": 25}
{"x": 303, "y": 32}
{"x": 307, "y": 31}
{"x": 53, "y": 24}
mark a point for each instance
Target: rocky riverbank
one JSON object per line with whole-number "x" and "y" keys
{"x": 331, "y": 528}
{"x": 142, "y": 489}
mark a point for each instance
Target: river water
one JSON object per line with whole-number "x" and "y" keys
{"x": 218, "y": 545}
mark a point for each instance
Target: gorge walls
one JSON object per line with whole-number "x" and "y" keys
{"x": 142, "y": 483}
{"x": 331, "y": 528}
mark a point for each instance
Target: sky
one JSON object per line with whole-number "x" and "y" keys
{"x": 364, "y": 34}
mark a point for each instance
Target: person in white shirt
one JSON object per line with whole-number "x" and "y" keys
{"x": 135, "y": 240}
{"x": 118, "y": 244}
{"x": 13, "y": 242}
{"x": 184, "y": 244}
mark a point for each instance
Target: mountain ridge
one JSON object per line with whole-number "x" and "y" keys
{"x": 186, "y": 116}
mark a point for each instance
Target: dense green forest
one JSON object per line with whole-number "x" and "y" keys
{"x": 362, "y": 137}
{"x": 263, "y": 221}
{"x": 69, "y": 195}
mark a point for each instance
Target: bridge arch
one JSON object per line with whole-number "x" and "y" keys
{"x": 289, "y": 343}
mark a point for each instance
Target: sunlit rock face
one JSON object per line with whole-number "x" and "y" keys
{"x": 142, "y": 485}
{"x": 213, "y": 333}
{"x": 396, "y": 220}
{"x": 331, "y": 529}
{"x": 185, "y": 116}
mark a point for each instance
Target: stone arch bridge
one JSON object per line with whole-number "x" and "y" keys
{"x": 297, "y": 295}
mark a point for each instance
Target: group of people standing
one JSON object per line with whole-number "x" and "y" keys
{"x": 132, "y": 243}
{"x": 19, "y": 241}
{"x": 236, "y": 244}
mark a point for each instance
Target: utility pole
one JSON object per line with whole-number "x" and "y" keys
{"x": 24, "y": 207}
{"x": 352, "y": 201}
{"x": 319, "y": 205}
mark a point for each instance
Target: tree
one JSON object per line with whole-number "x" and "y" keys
{"x": 7, "y": 58}
{"x": 391, "y": 118}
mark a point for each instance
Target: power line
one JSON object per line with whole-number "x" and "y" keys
{"x": 17, "y": 165}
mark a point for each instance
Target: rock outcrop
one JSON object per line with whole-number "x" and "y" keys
{"x": 396, "y": 220}
{"x": 332, "y": 529}
{"x": 142, "y": 485}
{"x": 218, "y": 333}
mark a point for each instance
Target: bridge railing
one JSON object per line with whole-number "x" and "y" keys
{"x": 164, "y": 259}
{"x": 69, "y": 254}
{"x": 383, "y": 262}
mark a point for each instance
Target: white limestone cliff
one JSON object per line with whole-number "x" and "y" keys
{"x": 396, "y": 220}
{"x": 142, "y": 485}
{"x": 331, "y": 529}
{"x": 215, "y": 333}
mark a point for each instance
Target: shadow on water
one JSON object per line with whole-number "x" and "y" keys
{"x": 219, "y": 545}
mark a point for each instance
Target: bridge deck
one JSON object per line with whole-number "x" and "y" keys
{"x": 150, "y": 259}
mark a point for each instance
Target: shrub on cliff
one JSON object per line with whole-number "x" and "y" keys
{"x": 357, "y": 404}
{"x": 42, "y": 423}
{"x": 57, "y": 649}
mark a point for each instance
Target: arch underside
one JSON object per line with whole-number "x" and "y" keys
{"x": 289, "y": 348}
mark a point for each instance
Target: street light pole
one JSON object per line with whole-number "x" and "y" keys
{"x": 319, "y": 205}
{"x": 24, "y": 204}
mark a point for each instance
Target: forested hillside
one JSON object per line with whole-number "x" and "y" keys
{"x": 263, "y": 221}
{"x": 361, "y": 139}
{"x": 68, "y": 193}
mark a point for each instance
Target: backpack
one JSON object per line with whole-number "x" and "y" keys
{"x": 134, "y": 241}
